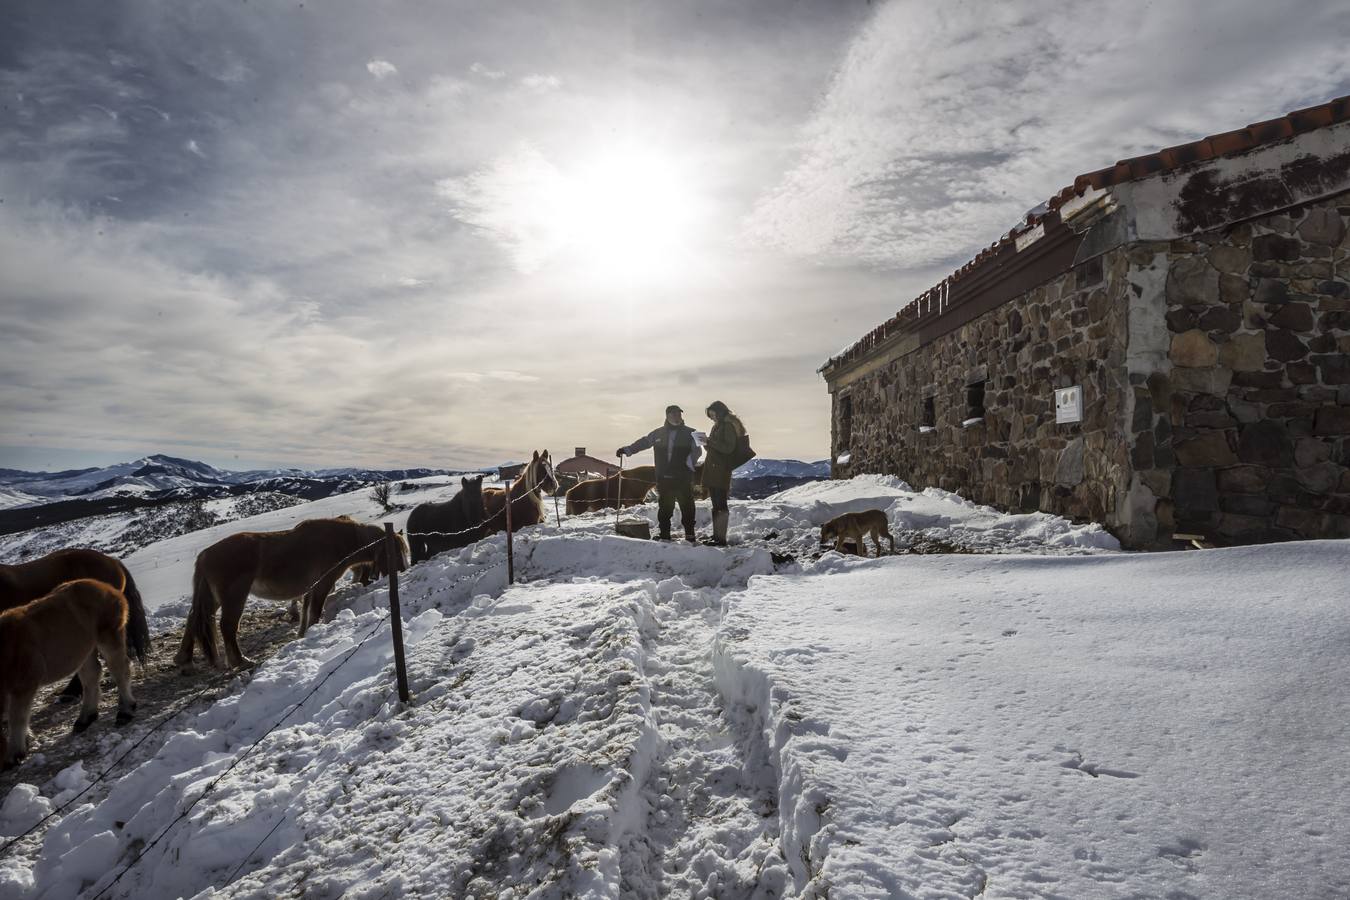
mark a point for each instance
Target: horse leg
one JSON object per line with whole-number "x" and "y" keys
{"x": 71, "y": 690}
{"x": 115, "y": 652}
{"x": 90, "y": 672}
{"x": 18, "y": 708}
{"x": 314, "y": 600}
{"x": 231, "y": 611}
{"x": 183, "y": 658}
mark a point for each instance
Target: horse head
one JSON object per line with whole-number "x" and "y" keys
{"x": 541, "y": 474}
{"x": 471, "y": 500}
{"x": 379, "y": 563}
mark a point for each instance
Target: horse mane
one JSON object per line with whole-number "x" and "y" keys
{"x": 523, "y": 481}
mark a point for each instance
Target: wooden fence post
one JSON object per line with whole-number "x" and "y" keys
{"x": 510, "y": 557}
{"x": 394, "y": 558}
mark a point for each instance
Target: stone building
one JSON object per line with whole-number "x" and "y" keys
{"x": 1163, "y": 347}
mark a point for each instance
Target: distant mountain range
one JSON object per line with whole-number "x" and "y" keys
{"x": 30, "y": 499}
{"x": 783, "y": 468}
{"x": 160, "y": 477}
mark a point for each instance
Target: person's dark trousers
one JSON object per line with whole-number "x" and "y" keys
{"x": 670, "y": 492}
{"x": 719, "y": 499}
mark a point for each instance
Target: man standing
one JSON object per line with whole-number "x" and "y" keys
{"x": 677, "y": 453}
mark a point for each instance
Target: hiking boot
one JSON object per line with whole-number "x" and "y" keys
{"x": 663, "y": 536}
{"x": 691, "y": 537}
{"x": 720, "y": 521}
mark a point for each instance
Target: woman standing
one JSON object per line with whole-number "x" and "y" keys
{"x": 724, "y": 449}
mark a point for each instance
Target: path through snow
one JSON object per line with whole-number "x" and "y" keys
{"x": 711, "y": 827}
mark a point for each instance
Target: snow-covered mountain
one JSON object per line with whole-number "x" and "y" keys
{"x": 783, "y": 468}
{"x": 159, "y": 477}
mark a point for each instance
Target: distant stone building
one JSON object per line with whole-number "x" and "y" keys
{"x": 581, "y": 466}
{"x": 510, "y": 471}
{"x": 1164, "y": 348}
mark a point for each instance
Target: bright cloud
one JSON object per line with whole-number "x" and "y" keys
{"x": 541, "y": 83}
{"x": 483, "y": 71}
{"x": 381, "y": 68}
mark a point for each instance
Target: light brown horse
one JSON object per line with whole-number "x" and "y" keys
{"x": 527, "y": 503}
{"x": 25, "y": 582}
{"x": 51, "y": 638}
{"x": 300, "y": 564}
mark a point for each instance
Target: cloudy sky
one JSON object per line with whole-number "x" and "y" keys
{"x": 445, "y": 233}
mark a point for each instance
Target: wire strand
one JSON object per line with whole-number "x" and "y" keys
{"x": 240, "y": 758}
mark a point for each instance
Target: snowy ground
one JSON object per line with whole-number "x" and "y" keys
{"x": 1047, "y": 717}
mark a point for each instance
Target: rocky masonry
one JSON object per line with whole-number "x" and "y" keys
{"x": 1011, "y": 454}
{"x": 1247, "y": 437}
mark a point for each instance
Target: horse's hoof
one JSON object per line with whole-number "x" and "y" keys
{"x": 245, "y": 663}
{"x": 123, "y": 717}
{"x": 82, "y": 723}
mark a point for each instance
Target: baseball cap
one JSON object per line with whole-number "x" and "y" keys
{"x": 673, "y": 408}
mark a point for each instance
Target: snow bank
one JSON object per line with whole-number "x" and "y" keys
{"x": 1161, "y": 725}
{"x": 932, "y": 513}
{"x": 515, "y": 765}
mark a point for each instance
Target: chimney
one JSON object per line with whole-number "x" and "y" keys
{"x": 581, "y": 451}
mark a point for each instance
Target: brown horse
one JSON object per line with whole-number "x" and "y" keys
{"x": 637, "y": 482}
{"x": 527, "y": 503}
{"x": 603, "y": 493}
{"x": 300, "y": 564}
{"x": 51, "y": 638}
{"x": 437, "y": 527}
{"x": 25, "y": 582}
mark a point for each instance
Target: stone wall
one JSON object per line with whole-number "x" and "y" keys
{"x": 1243, "y": 433}
{"x": 1071, "y": 330}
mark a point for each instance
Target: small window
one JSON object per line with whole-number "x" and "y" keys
{"x": 975, "y": 400}
{"x": 845, "y": 422}
{"x": 929, "y": 413}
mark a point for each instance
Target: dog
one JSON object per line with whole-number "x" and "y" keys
{"x": 853, "y": 527}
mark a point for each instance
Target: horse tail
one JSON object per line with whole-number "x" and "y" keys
{"x": 202, "y": 612}
{"x": 416, "y": 543}
{"x": 138, "y": 630}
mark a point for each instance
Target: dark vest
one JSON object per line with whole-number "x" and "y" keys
{"x": 674, "y": 467}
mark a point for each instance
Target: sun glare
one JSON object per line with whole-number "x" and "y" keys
{"x": 625, "y": 217}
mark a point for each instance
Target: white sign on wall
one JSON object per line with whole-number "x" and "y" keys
{"x": 1069, "y": 404}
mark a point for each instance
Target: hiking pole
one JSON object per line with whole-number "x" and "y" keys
{"x": 557, "y": 516}
{"x": 618, "y": 493}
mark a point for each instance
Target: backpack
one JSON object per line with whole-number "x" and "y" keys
{"x": 743, "y": 452}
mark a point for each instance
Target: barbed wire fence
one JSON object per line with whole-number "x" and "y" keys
{"x": 394, "y": 561}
